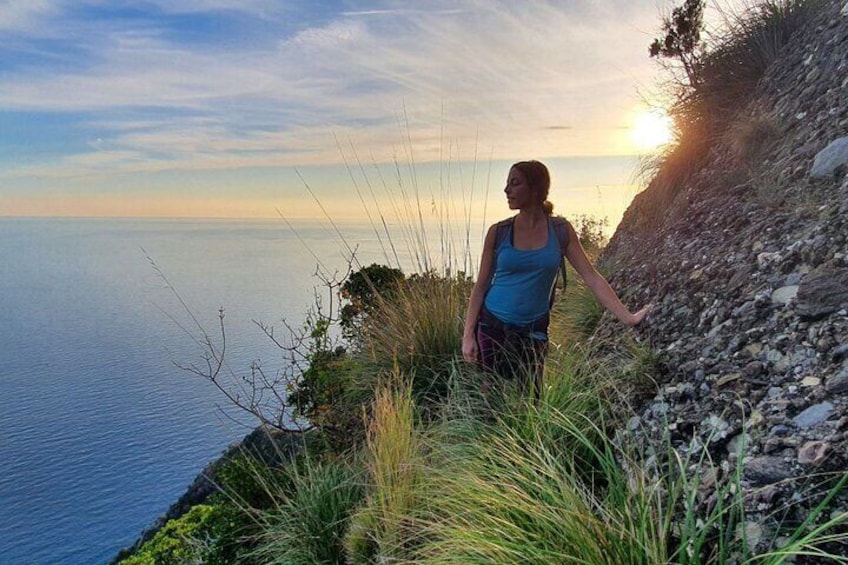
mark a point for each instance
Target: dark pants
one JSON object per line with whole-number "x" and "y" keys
{"x": 514, "y": 352}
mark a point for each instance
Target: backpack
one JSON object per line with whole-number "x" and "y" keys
{"x": 560, "y": 229}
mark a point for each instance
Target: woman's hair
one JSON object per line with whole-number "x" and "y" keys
{"x": 539, "y": 179}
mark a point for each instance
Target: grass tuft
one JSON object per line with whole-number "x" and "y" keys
{"x": 308, "y": 522}
{"x": 384, "y": 526}
{"x": 416, "y": 331}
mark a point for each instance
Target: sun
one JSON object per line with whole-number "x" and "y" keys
{"x": 651, "y": 130}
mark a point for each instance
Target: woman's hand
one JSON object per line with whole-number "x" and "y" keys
{"x": 637, "y": 318}
{"x": 470, "y": 351}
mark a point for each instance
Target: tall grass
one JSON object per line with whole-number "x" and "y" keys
{"x": 551, "y": 486}
{"x": 418, "y": 331}
{"x": 577, "y": 314}
{"x": 750, "y": 42}
{"x": 308, "y": 523}
{"x": 383, "y": 529}
{"x": 538, "y": 485}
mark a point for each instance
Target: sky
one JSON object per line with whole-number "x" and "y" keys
{"x": 251, "y": 108}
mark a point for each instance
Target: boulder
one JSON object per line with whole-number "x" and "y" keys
{"x": 822, "y": 292}
{"x": 832, "y": 161}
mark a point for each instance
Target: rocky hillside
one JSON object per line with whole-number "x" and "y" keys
{"x": 748, "y": 267}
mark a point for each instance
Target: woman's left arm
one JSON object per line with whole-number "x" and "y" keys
{"x": 598, "y": 284}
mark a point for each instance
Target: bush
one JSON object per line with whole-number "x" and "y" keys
{"x": 362, "y": 290}
{"x": 181, "y": 541}
{"x": 418, "y": 332}
{"x": 307, "y": 524}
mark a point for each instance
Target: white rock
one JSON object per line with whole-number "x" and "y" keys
{"x": 810, "y": 381}
{"x": 830, "y": 159}
{"x": 784, "y": 295}
{"x": 765, "y": 259}
{"x": 751, "y": 533}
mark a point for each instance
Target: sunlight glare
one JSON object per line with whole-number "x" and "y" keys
{"x": 651, "y": 130}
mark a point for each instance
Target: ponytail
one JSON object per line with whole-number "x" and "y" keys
{"x": 548, "y": 207}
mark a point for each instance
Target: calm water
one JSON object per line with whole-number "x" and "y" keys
{"x": 99, "y": 432}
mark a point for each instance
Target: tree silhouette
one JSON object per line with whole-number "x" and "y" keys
{"x": 682, "y": 38}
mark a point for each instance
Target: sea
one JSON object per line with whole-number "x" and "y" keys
{"x": 101, "y": 425}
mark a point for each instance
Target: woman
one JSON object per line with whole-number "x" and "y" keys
{"x": 508, "y": 313}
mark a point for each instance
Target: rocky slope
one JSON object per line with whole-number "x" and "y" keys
{"x": 749, "y": 271}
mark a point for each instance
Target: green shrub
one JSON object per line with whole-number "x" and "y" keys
{"x": 181, "y": 541}
{"x": 249, "y": 481}
{"x": 418, "y": 332}
{"x": 362, "y": 289}
{"x": 307, "y": 524}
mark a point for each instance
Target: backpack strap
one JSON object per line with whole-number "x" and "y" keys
{"x": 503, "y": 229}
{"x": 562, "y": 234}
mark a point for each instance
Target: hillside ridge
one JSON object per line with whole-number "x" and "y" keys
{"x": 748, "y": 267}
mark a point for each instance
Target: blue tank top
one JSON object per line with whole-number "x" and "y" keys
{"x": 521, "y": 286}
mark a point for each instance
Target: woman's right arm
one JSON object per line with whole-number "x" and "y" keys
{"x": 469, "y": 335}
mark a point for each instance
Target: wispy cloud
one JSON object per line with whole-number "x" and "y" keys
{"x": 18, "y": 15}
{"x": 270, "y": 92}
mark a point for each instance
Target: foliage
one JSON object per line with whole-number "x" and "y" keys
{"x": 181, "y": 541}
{"x": 418, "y": 332}
{"x": 740, "y": 57}
{"x": 682, "y": 38}
{"x": 721, "y": 77}
{"x": 308, "y": 522}
{"x": 530, "y": 487}
{"x": 382, "y": 528}
{"x": 517, "y": 483}
{"x": 249, "y": 480}
{"x": 320, "y": 393}
{"x": 321, "y": 384}
{"x": 248, "y": 485}
{"x": 592, "y": 233}
{"x": 362, "y": 289}
{"x": 550, "y": 484}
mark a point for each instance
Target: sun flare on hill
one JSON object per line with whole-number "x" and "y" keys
{"x": 651, "y": 130}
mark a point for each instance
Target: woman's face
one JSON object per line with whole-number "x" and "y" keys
{"x": 518, "y": 192}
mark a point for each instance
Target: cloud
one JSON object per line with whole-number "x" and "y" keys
{"x": 452, "y": 78}
{"x": 19, "y": 15}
